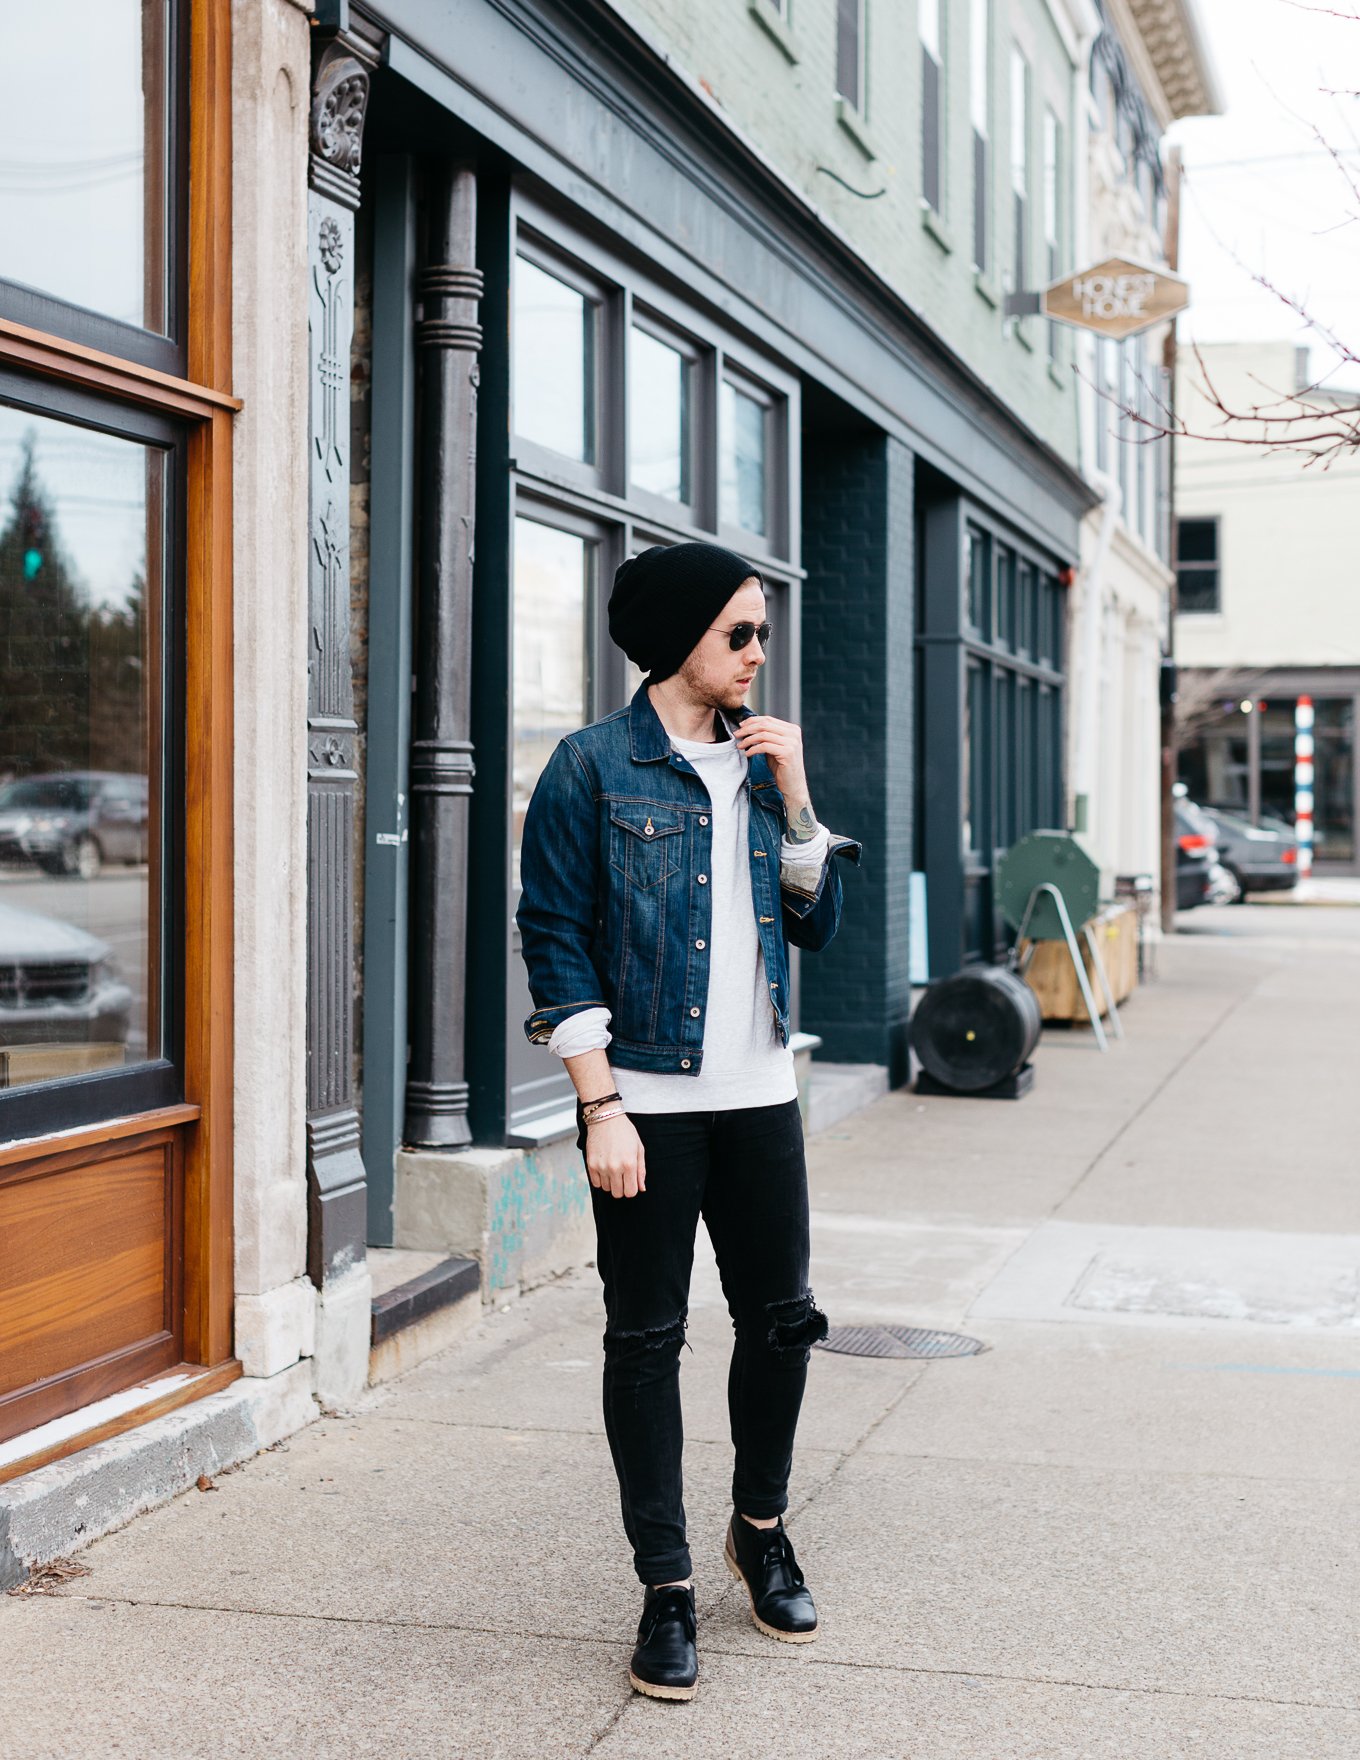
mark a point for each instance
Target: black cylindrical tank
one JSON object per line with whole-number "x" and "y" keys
{"x": 976, "y": 1028}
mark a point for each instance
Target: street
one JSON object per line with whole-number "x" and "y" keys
{"x": 1125, "y": 1529}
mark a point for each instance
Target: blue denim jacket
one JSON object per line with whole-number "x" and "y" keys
{"x": 615, "y": 908}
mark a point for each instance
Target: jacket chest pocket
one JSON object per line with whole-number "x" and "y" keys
{"x": 645, "y": 842}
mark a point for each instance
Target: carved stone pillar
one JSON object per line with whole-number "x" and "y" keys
{"x": 336, "y": 1198}
{"x": 448, "y": 340}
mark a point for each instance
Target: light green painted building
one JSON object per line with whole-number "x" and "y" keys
{"x": 935, "y": 136}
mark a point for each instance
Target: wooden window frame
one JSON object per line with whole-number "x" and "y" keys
{"x": 202, "y": 403}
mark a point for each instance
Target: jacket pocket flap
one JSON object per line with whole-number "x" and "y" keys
{"x": 646, "y": 822}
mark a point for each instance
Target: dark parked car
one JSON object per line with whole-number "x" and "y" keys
{"x": 73, "y": 821}
{"x": 1196, "y": 853}
{"x": 1261, "y": 858}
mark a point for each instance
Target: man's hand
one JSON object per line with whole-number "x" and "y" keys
{"x": 614, "y": 1159}
{"x": 782, "y": 744}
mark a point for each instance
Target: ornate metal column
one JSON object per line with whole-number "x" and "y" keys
{"x": 336, "y": 1199}
{"x": 448, "y": 340}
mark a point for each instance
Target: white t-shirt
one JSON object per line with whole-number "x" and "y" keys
{"x": 745, "y": 1064}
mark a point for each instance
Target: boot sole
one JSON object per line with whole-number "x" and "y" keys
{"x": 653, "y": 1691}
{"x": 769, "y": 1630}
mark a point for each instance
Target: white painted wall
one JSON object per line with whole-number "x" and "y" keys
{"x": 1288, "y": 561}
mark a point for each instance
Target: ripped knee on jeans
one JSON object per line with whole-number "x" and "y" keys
{"x": 795, "y": 1326}
{"x": 617, "y": 1340}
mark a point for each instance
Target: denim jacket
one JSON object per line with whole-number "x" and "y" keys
{"x": 614, "y": 910}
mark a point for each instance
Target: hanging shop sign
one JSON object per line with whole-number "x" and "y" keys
{"x": 1118, "y": 298}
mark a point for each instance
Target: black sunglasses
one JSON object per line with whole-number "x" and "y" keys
{"x": 739, "y": 636}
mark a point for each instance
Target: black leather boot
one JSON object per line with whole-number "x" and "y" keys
{"x": 665, "y": 1664}
{"x": 762, "y": 1559}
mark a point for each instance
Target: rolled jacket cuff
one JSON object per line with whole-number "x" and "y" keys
{"x": 806, "y": 879}
{"x": 579, "y": 1033}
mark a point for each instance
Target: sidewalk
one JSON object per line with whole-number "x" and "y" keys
{"x": 1126, "y": 1530}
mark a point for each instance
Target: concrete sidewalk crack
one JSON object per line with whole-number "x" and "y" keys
{"x": 710, "y": 1649}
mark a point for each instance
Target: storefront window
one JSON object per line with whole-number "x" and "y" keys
{"x": 743, "y": 443}
{"x": 1334, "y": 779}
{"x": 1005, "y": 595}
{"x": 975, "y": 565}
{"x": 82, "y": 574}
{"x": 552, "y": 591}
{"x": 85, "y": 155}
{"x": 658, "y": 417}
{"x": 555, "y": 343}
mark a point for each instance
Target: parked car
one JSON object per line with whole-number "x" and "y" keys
{"x": 1261, "y": 858}
{"x": 1196, "y": 855}
{"x": 73, "y": 821}
{"x": 57, "y": 984}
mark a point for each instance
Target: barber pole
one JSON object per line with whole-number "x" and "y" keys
{"x": 1303, "y": 782}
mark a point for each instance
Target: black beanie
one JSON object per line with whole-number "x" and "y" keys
{"x": 666, "y": 597}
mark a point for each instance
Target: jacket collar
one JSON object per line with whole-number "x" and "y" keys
{"x": 651, "y": 744}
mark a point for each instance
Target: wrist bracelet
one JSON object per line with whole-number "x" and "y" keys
{"x": 586, "y": 1105}
{"x": 600, "y": 1117}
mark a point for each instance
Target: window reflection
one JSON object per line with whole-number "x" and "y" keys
{"x": 81, "y": 538}
{"x": 658, "y": 418}
{"x": 554, "y": 344}
{"x": 84, "y": 154}
{"x": 742, "y": 453}
{"x": 552, "y": 591}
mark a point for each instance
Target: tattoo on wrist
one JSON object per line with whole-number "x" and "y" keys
{"x": 803, "y": 826}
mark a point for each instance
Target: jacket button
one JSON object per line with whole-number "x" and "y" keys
{"x": 703, "y": 879}
{"x": 684, "y": 1063}
{"x": 695, "y": 1013}
{"x": 701, "y": 945}
{"x": 703, "y": 818}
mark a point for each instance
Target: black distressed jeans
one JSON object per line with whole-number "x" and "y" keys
{"x": 744, "y": 1172}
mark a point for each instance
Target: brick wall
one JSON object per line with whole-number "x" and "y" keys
{"x": 858, "y": 626}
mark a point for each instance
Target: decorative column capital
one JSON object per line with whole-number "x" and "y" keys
{"x": 340, "y": 86}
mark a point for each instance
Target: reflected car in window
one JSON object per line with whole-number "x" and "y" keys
{"x": 73, "y": 822}
{"x": 64, "y": 1008}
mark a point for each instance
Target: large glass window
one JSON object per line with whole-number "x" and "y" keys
{"x": 980, "y": 110}
{"x": 87, "y": 156}
{"x": 1052, "y": 198}
{"x": 1019, "y": 169}
{"x": 850, "y": 52}
{"x": 83, "y": 536}
{"x": 555, "y": 330}
{"x": 932, "y": 103}
{"x": 552, "y": 686}
{"x": 743, "y": 429}
{"x": 1334, "y": 779}
{"x": 637, "y": 421}
{"x": 1197, "y": 565}
{"x": 977, "y": 575}
{"x": 659, "y": 400}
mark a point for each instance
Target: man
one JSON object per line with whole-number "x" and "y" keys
{"x": 656, "y": 930}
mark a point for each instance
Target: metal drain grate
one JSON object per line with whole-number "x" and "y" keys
{"x": 898, "y": 1341}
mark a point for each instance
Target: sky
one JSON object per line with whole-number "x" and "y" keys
{"x": 1262, "y": 194}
